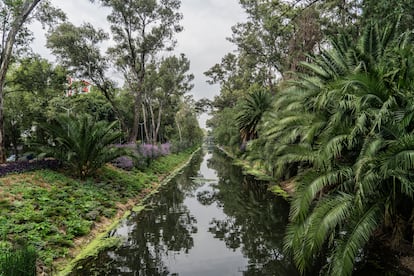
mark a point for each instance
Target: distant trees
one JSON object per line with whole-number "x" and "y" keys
{"x": 339, "y": 126}
{"x": 154, "y": 85}
{"x": 141, "y": 29}
{"x": 164, "y": 88}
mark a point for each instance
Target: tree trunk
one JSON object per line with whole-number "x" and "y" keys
{"x": 140, "y": 75}
{"x": 135, "y": 122}
{"x": 144, "y": 117}
{"x": 179, "y": 128}
{"x": 153, "y": 128}
{"x": 158, "y": 120}
{"x": 106, "y": 91}
{"x": 6, "y": 53}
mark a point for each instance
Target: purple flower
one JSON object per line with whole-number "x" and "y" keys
{"x": 154, "y": 151}
{"x": 165, "y": 148}
{"x": 149, "y": 150}
{"x": 124, "y": 162}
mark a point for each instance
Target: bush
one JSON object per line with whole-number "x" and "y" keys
{"x": 82, "y": 143}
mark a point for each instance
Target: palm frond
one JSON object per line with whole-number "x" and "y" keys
{"x": 310, "y": 185}
{"x": 358, "y": 233}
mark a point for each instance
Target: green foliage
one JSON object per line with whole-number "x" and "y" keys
{"x": 164, "y": 89}
{"x": 385, "y": 11}
{"x": 225, "y": 128}
{"x": 18, "y": 262}
{"x": 342, "y": 129}
{"x": 92, "y": 103}
{"x": 168, "y": 162}
{"x": 341, "y": 124}
{"x": 32, "y": 85}
{"x": 83, "y": 144}
{"x": 49, "y": 210}
{"x": 189, "y": 131}
{"x": 252, "y": 110}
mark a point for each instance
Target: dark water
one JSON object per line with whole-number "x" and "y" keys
{"x": 210, "y": 220}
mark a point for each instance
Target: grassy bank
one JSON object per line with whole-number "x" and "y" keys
{"x": 55, "y": 212}
{"x": 259, "y": 173}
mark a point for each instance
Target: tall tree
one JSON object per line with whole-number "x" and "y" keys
{"x": 264, "y": 38}
{"x": 14, "y": 14}
{"x": 78, "y": 50}
{"x": 163, "y": 88}
{"x": 141, "y": 29}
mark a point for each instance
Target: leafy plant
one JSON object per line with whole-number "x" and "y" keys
{"x": 252, "y": 110}
{"x": 82, "y": 144}
{"x": 344, "y": 131}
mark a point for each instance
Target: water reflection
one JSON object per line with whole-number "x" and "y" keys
{"x": 152, "y": 236}
{"x": 210, "y": 220}
{"x": 255, "y": 220}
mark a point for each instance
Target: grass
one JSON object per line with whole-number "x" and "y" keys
{"x": 18, "y": 262}
{"x": 49, "y": 210}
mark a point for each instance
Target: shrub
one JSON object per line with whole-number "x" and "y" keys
{"x": 22, "y": 166}
{"x": 83, "y": 144}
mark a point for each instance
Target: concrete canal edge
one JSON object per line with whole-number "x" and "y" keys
{"x": 98, "y": 240}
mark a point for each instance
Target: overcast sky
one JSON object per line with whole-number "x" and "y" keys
{"x": 206, "y": 24}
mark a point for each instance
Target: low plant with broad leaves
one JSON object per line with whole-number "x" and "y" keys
{"x": 83, "y": 144}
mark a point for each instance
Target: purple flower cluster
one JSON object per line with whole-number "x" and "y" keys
{"x": 154, "y": 151}
{"x": 22, "y": 166}
{"x": 124, "y": 162}
{"x": 165, "y": 148}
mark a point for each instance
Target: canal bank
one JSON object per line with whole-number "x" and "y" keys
{"x": 209, "y": 220}
{"x": 90, "y": 245}
{"x": 284, "y": 189}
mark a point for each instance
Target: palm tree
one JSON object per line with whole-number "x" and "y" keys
{"x": 82, "y": 144}
{"x": 252, "y": 110}
{"x": 347, "y": 128}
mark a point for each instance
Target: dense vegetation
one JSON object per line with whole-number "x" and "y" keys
{"x": 319, "y": 94}
{"x": 339, "y": 126}
{"x": 48, "y": 209}
{"x": 74, "y": 114}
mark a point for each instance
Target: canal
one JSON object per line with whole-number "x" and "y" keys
{"x": 209, "y": 220}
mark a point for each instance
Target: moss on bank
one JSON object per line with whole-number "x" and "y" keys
{"x": 51, "y": 210}
{"x": 255, "y": 170}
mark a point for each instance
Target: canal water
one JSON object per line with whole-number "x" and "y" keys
{"x": 209, "y": 220}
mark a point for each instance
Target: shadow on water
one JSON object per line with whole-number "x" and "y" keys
{"x": 209, "y": 220}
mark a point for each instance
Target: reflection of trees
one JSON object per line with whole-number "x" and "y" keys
{"x": 163, "y": 229}
{"x": 255, "y": 220}
{"x": 187, "y": 186}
